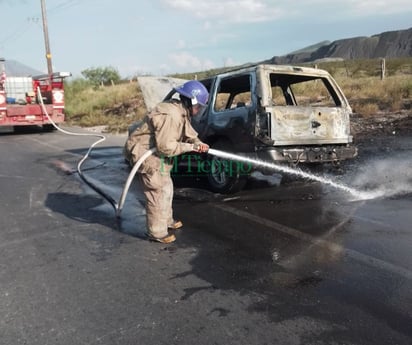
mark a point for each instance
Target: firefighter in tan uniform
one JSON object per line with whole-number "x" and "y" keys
{"x": 167, "y": 128}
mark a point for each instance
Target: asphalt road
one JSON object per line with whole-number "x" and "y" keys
{"x": 301, "y": 263}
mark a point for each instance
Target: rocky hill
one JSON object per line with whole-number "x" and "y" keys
{"x": 389, "y": 44}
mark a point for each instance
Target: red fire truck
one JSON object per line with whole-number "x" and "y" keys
{"x": 20, "y": 104}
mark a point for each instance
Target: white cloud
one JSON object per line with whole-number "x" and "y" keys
{"x": 129, "y": 70}
{"x": 187, "y": 61}
{"x": 164, "y": 68}
{"x": 372, "y": 7}
{"x": 207, "y": 25}
{"x": 249, "y": 11}
{"x": 181, "y": 44}
{"x": 353, "y": 7}
{"x": 229, "y": 62}
{"x": 231, "y": 10}
{"x": 208, "y": 41}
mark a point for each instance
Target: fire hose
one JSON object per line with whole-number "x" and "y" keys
{"x": 118, "y": 206}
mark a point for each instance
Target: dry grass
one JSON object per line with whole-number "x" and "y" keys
{"x": 371, "y": 95}
{"x": 113, "y": 106}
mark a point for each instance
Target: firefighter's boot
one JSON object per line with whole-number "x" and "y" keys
{"x": 175, "y": 225}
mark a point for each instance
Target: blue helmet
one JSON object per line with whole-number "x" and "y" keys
{"x": 195, "y": 91}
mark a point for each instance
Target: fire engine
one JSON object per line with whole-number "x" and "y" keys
{"x": 20, "y": 102}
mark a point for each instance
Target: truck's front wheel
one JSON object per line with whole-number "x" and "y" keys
{"x": 225, "y": 176}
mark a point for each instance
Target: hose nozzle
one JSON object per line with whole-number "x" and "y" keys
{"x": 201, "y": 147}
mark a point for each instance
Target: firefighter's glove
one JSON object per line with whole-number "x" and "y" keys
{"x": 201, "y": 147}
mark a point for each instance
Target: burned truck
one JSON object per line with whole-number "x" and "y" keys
{"x": 281, "y": 114}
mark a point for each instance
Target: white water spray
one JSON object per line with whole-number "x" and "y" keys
{"x": 391, "y": 176}
{"x": 359, "y": 195}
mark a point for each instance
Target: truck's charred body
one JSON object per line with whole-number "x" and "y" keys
{"x": 303, "y": 116}
{"x": 277, "y": 113}
{"x": 20, "y": 103}
{"x": 281, "y": 114}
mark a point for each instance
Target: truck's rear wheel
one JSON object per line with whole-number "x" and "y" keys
{"x": 48, "y": 128}
{"x": 225, "y": 176}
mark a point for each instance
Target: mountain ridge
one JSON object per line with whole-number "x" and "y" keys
{"x": 389, "y": 44}
{"x": 17, "y": 69}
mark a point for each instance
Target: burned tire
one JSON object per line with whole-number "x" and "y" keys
{"x": 225, "y": 176}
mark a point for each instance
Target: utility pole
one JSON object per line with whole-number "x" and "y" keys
{"x": 46, "y": 38}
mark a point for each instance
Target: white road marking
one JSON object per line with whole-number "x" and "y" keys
{"x": 363, "y": 258}
{"x": 19, "y": 177}
{"x": 54, "y": 147}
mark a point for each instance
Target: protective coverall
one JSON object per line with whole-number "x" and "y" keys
{"x": 167, "y": 127}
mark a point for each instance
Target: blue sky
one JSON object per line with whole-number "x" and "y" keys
{"x": 161, "y": 37}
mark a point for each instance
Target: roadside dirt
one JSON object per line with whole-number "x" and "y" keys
{"x": 381, "y": 124}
